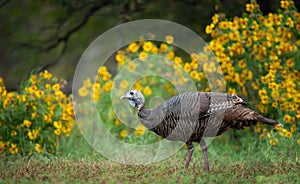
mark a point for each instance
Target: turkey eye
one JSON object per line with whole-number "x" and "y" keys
{"x": 131, "y": 93}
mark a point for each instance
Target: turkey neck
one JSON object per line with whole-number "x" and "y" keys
{"x": 143, "y": 112}
{"x": 146, "y": 117}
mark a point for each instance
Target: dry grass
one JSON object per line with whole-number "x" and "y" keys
{"x": 244, "y": 160}
{"x": 101, "y": 170}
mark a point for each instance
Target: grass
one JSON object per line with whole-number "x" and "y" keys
{"x": 243, "y": 160}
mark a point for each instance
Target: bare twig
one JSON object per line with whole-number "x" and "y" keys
{"x": 3, "y": 3}
{"x": 56, "y": 39}
{"x": 51, "y": 43}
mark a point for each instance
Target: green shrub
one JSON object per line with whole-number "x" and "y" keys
{"x": 256, "y": 53}
{"x": 34, "y": 118}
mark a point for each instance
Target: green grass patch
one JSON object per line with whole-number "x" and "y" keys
{"x": 238, "y": 157}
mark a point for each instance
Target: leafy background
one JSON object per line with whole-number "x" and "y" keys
{"x": 256, "y": 46}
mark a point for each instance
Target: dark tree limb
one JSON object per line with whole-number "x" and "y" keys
{"x": 54, "y": 61}
{"x": 53, "y": 42}
{"x": 58, "y": 38}
{"x": 3, "y": 3}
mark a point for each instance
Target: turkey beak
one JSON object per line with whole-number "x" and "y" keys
{"x": 124, "y": 96}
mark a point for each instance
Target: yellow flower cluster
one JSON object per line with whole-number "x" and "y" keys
{"x": 103, "y": 83}
{"x": 93, "y": 90}
{"x": 140, "y": 130}
{"x": 265, "y": 46}
{"x": 35, "y": 116}
{"x": 256, "y": 53}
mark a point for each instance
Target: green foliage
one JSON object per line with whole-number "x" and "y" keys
{"x": 36, "y": 117}
{"x": 255, "y": 53}
{"x": 258, "y": 55}
{"x": 241, "y": 161}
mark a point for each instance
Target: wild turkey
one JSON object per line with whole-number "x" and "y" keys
{"x": 189, "y": 116}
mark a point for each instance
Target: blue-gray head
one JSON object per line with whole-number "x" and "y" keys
{"x": 135, "y": 98}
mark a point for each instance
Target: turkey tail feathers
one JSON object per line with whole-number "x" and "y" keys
{"x": 268, "y": 121}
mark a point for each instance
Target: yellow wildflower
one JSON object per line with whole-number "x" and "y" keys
{"x": 123, "y": 133}
{"x": 39, "y": 93}
{"x": 106, "y": 76}
{"x": 120, "y": 58}
{"x": 140, "y": 130}
{"x": 290, "y": 62}
{"x": 209, "y": 28}
{"x": 2, "y": 146}
{"x": 284, "y": 4}
{"x": 48, "y": 118}
{"x": 274, "y": 142}
{"x": 170, "y": 54}
{"x": 250, "y": 8}
{"x": 147, "y": 91}
{"x": 69, "y": 109}
{"x": 268, "y": 22}
{"x": 293, "y": 128}
{"x": 102, "y": 70}
{"x": 33, "y": 79}
{"x": 163, "y": 47}
{"x": 124, "y": 84}
{"x": 178, "y": 60}
{"x": 13, "y": 149}
{"x": 57, "y": 124}
{"x": 138, "y": 86}
{"x": 215, "y": 18}
{"x": 34, "y": 114}
{"x": 288, "y": 134}
{"x": 187, "y": 67}
{"x": 194, "y": 75}
{"x": 47, "y": 86}
{"x": 46, "y": 75}
{"x": 57, "y": 132}
{"x": 133, "y": 47}
{"x": 147, "y": 46}
{"x": 262, "y": 92}
{"x": 143, "y": 56}
{"x": 262, "y": 135}
{"x": 233, "y": 25}
{"x": 38, "y": 148}
{"x": 13, "y": 133}
{"x": 257, "y": 129}
{"x": 33, "y": 134}
{"x": 231, "y": 91}
{"x": 274, "y": 104}
{"x": 287, "y": 118}
{"x": 275, "y": 94}
{"x": 131, "y": 66}
{"x": 169, "y": 39}
{"x": 96, "y": 86}
{"x": 224, "y": 25}
{"x": 83, "y": 91}
{"x": 27, "y": 123}
{"x": 107, "y": 86}
{"x": 117, "y": 122}
{"x": 242, "y": 63}
{"x": 56, "y": 87}
{"x": 87, "y": 83}
{"x": 194, "y": 65}
{"x": 154, "y": 50}
{"x": 66, "y": 130}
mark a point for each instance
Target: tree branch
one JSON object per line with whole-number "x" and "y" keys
{"x": 56, "y": 39}
{"x": 54, "y": 61}
{"x": 53, "y": 42}
{"x": 3, "y": 3}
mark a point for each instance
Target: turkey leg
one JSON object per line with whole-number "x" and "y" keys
{"x": 204, "y": 149}
{"x": 190, "y": 147}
